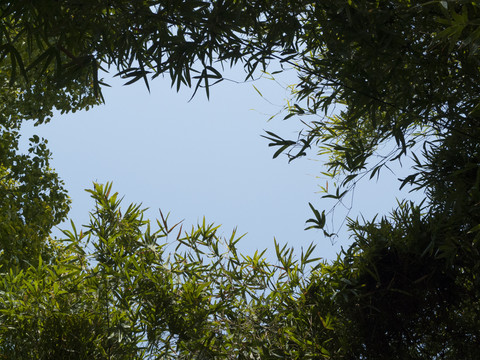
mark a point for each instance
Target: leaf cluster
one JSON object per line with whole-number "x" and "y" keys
{"x": 131, "y": 298}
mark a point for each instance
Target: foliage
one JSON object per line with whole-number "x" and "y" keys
{"x": 133, "y": 299}
{"x": 33, "y": 197}
{"x": 402, "y": 295}
{"x": 73, "y": 40}
{"x": 371, "y": 74}
{"x": 394, "y": 72}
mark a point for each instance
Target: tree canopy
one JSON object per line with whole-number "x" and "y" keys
{"x": 372, "y": 75}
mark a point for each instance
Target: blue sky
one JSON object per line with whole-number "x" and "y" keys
{"x": 203, "y": 158}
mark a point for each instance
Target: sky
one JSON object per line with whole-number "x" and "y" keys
{"x": 205, "y": 158}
